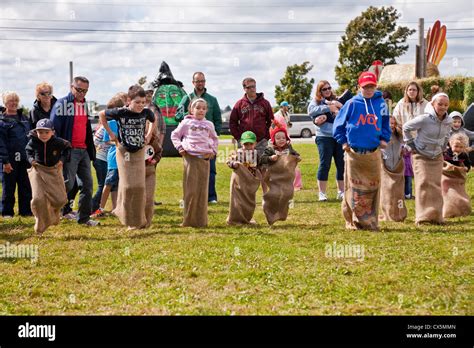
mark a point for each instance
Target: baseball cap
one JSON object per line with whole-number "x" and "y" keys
{"x": 284, "y": 103}
{"x": 44, "y": 123}
{"x": 367, "y": 78}
{"x": 248, "y": 137}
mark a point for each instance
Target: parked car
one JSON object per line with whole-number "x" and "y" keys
{"x": 301, "y": 126}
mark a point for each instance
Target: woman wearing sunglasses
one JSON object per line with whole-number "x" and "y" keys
{"x": 323, "y": 110}
{"x": 43, "y": 103}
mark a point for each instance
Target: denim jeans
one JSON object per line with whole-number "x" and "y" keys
{"x": 80, "y": 165}
{"x": 212, "y": 181}
{"x": 329, "y": 148}
{"x": 17, "y": 177}
{"x": 408, "y": 185}
{"x": 101, "y": 172}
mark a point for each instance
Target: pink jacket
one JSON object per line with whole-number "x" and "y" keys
{"x": 195, "y": 136}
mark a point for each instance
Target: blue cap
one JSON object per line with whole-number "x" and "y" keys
{"x": 44, "y": 123}
{"x": 284, "y": 103}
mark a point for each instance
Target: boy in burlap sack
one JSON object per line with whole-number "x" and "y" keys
{"x": 456, "y": 201}
{"x": 46, "y": 153}
{"x": 392, "y": 202}
{"x": 361, "y": 127}
{"x": 131, "y": 143}
{"x": 280, "y": 159}
{"x": 432, "y": 131}
{"x": 196, "y": 140}
{"x": 244, "y": 182}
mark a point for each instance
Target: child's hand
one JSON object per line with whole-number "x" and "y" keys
{"x": 320, "y": 120}
{"x": 383, "y": 144}
{"x": 7, "y": 168}
{"x": 60, "y": 165}
{"x": 34, "y": 163}
{"x": 346, "y": 147}
{"x": 182, "y": 152}
{"x": 274, "y": 158}
{"x": 112, "y": 137}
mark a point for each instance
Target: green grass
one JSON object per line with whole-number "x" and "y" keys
{"x": 240, "y": 270}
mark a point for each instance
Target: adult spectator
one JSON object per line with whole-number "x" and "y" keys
{"x": 43, "y": 104}
{"x": 71, "y": 122}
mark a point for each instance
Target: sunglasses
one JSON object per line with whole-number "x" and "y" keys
{"x": 80, "y": 90}
{"x": 199, "y": 81}
{"x": 326, "y": 89}
{"x": 250, "y": 87}
{"x": 45, "y": 94}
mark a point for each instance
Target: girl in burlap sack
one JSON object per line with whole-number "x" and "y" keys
{"x": 392, "y": 202}
{"x": 46, "y": 154}
{"x": 244, "y": 182}
{"x": 456, "y": 201}
{"x": 280, "y": 159}
{"x": 196, "y": 140}
{"x": 432, "y": 131}
{"x": 361, "y": 127}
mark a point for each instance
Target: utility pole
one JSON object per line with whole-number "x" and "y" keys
{"x": 70, "y": 73}
{"x": 420, "y": 65}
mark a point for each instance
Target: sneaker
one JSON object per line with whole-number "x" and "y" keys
{"x": 70, "y": 216}
{"x": 7, "y": 217}
{"x": 92, "y": 223}
{"x": 158, "y": 203}
{"x": 322, "y": 197}
{"x": 340, "y": 195}
{"x": 213, "y": 201}
{"x": 98, "y": 213}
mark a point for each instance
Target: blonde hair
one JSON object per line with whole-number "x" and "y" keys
{"x": 461, "y": 138}
{"x": 195, "y": 101}
{"x": 9, "y": 96}
{"x": 42, "y": 85}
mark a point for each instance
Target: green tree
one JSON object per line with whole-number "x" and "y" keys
{"x": 373, "y": 35}
{"x": 295, "y": 87}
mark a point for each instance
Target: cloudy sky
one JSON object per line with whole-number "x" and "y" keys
{"x": 114, "y": 43}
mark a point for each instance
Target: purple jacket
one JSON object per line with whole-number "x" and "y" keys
{"x": 195, "y": 136}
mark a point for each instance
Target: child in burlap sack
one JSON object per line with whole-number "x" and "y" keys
{"x": 46, "y": 153}
{"x": 432, "y": 132}
{"x": 244, "y": 182}
{"x": 130, "y": 152}
{"x": 280, "y": 159}
{"x": 362, "y": 127}
{"x": 196, "y": 140}
{"x": 456, "y": 201}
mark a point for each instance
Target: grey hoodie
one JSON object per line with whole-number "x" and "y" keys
{"x": 432, "y": 134}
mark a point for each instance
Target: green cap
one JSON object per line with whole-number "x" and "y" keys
{"x": 248, "y": 137}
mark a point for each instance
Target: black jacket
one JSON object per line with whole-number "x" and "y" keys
{"x": 38, "y": 113}
{"x": 13, "y": 137}
{"x": 50, "y": 153}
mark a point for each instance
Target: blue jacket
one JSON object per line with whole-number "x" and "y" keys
{"x": 356, "y": 124}
{"x": 62, "y": 116}
{"x": 13, "y": 137}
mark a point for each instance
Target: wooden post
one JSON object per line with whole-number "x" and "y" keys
{"x": 418, "y": 71}
{"x": 70, "y": 73}
{"x": 421, "y": 43}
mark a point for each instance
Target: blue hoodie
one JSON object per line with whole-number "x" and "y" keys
{"x": 356, "y": 125}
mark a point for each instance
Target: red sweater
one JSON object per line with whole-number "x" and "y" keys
{"x": 253, "y": 116}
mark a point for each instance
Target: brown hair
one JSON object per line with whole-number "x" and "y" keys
{"x": 419, "y": 95}
{"x": 42, "y": 85}
{"x": 136, "y": 91}
{"x": 319, "y": 95}
{"x": 435, "y": 89}
{"x": 248, "y": 79}
{"x": 115, "y": 102}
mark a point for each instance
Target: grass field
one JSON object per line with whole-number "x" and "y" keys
{"x": 286, "y": 269}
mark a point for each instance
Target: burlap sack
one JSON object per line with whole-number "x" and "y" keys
{"x": 361, "y": 190}
{"x": 279, "y": 179}
{"x": 131, "y": 189}
{"x": 49, "y": 195}
{"x": 150, "y": 183}
{"x": 392, "y": 193}
{"x": 195, "y": 191}
{"x": 243, "y": 190}
{"x": 456, "y": 201}
{"x": 428, "y": 195}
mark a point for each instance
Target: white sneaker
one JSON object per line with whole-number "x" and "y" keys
{"x": 340, "y": 195}
{"x": 92, "y": 223}
{"x": 70, "y": 216}
{"x": 213, "y": 202}
{"x": 322, "y": 197}
{"x": 7, "y": 217}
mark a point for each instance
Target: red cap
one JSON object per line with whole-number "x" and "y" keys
{"x": 367, "y": 78}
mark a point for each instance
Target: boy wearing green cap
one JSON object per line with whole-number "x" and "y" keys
{"x": 244, "y": 182}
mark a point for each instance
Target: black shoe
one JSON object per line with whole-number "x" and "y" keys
{"x": 158, "y": 203}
